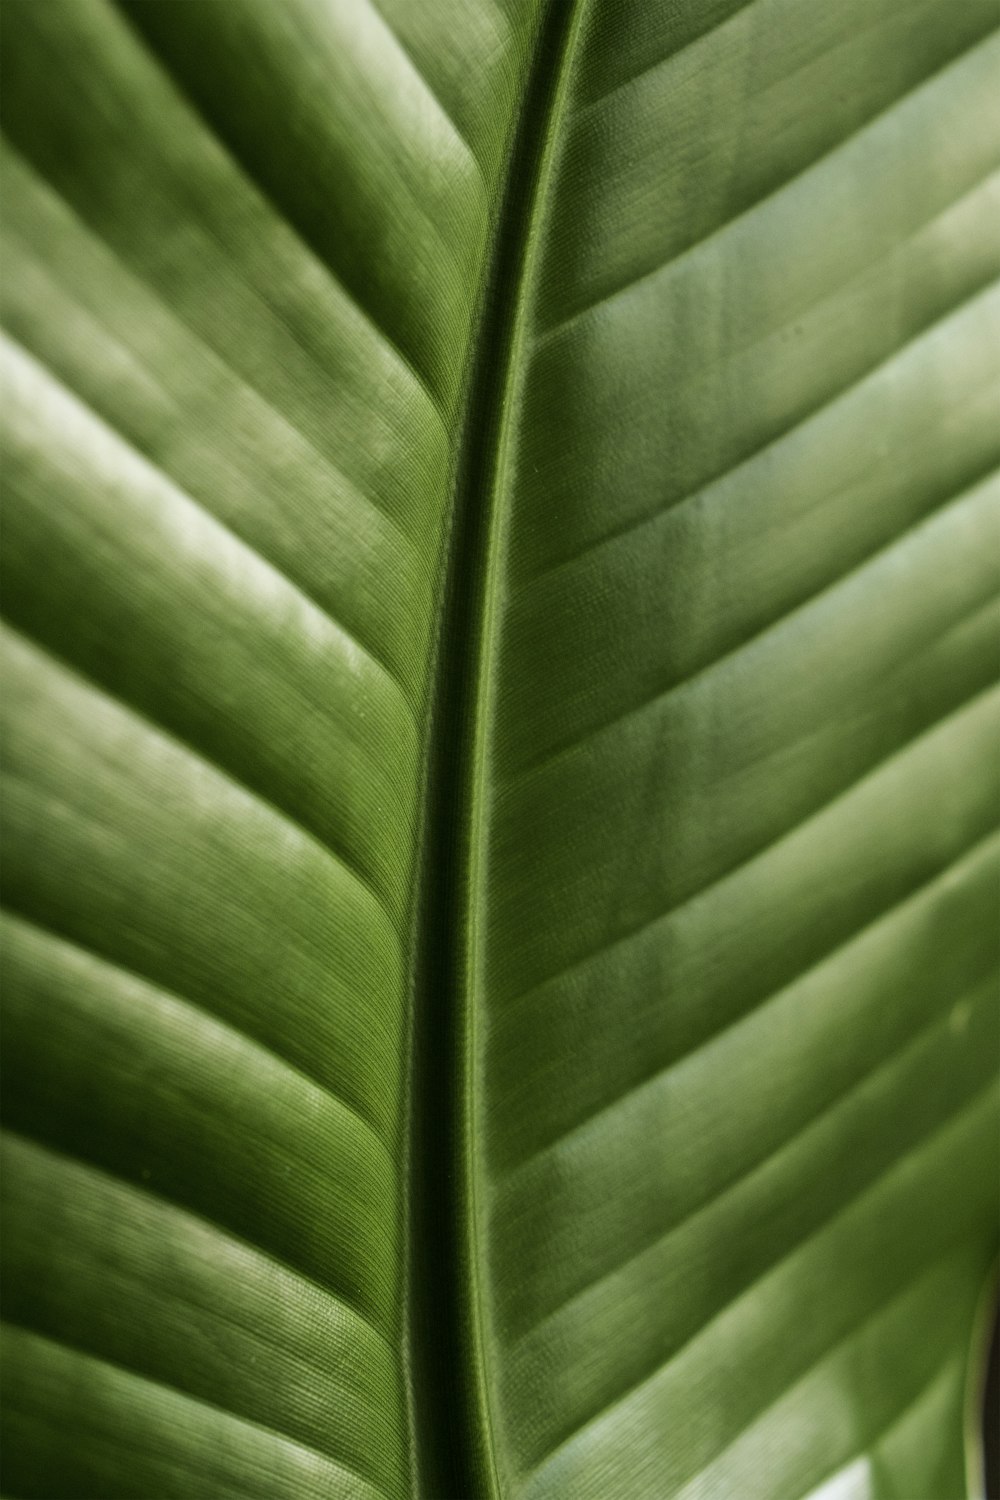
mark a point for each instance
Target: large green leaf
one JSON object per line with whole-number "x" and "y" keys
{"x": 501, "y": 795}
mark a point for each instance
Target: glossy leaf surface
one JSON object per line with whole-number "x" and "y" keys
{"x": 500, "y": 601}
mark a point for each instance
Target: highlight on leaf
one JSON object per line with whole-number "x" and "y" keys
{"x": 501, "y": 590}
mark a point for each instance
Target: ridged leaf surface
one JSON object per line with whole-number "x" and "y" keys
{"x": 501, "y": 612}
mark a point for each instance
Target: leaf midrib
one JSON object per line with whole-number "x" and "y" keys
{"x": 445, "y": 1317}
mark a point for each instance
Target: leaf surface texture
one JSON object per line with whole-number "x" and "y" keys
{"x": 501, "y": 605}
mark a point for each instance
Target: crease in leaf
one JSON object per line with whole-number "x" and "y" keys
{"x": 500, "y": 793}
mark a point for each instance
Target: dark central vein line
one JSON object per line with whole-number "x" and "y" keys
{"x": 453, "y": 1449}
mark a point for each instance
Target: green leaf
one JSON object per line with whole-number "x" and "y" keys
{"x": 501, "y": 596}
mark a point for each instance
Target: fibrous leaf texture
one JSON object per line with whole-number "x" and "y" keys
{"x": 501, "y": 608}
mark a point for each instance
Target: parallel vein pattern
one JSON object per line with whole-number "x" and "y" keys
{"x": 739, "y": 992}
{"x": 244, "y": 247}
{"x": 501, "y": 595}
